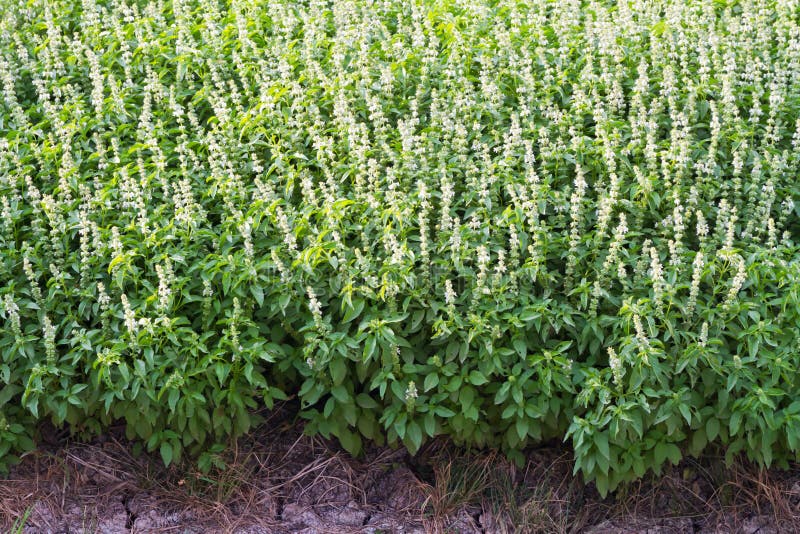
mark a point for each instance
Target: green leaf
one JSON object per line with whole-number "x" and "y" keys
{"x": 258, "y": 294}
{"x": 522, "y": 426}
{"x": 520, "y": 346}
{"x": 712, "y": 428}
{"x": 166, "y": 452}
{"x": 431, "y": 381}
{"x": 369, "y": 348}
{"x": 367, "y": 427}
{"x": 602, "y": 485}
{"x": 735, "y": 422}
{"x": 699, "y": 441}
{"x": 687, "y": 414}
{"x": 351, "y": 442}
{"x": 466, "y": 397}
{"x": 667, "y": 451}
{"x": 353, "y": 311}
{"x": 221, "y": 369}
{"x": 441, "y": 411}
{"x": 340, "y": 394}
{"x": 338, "y": 370}
{"x": 366, "y": 402}
{"x": 658, "y": 28}
{"x": 601, "y": 442}
{"x": 429, "y": 422}
{"x": 414, "y": 436}
{"x": 477, "y": 378}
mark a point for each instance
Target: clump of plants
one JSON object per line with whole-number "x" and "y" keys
{"x": 501, "y": 222}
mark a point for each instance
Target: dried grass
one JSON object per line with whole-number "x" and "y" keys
{"x": 444, "y": 489}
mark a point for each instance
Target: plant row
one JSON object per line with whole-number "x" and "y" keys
{"x": 500, "y": 221}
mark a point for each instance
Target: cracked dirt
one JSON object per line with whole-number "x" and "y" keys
{"x": 279, "y": 481}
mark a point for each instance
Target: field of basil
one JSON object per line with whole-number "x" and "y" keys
{"x": 499, "y": 221}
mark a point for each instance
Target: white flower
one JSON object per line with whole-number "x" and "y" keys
{"x": 449, "y": 293}
{"x": 49, "y": 340}
{"x": 9, "y": 305}
{"x": 102, "y": 297}
{"x": 500, "y": 268}
{"x": 616, "y": 244}
{"x": 656, "y": 275}
{"x": 314, "y": 305}
{"x": 703, "y": 334}
{"x": 208, "y": 290}
{"x": 283, "y": 222}
{"x": 617, "y": 370}
{"x": 702, "y": 225}
{"x": 165, "y": 281}
{"x": 641, "y": 335}
{"x": 130, "y": 317}
{"x": 411, "y": 393}
{"x": 12, "y": 312}
{"x": 697, "y": 274}
{"x": 738, "y": 279}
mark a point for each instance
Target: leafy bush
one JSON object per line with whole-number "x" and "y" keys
{"x": 502, "y": 222}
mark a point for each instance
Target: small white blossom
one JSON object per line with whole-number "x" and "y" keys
{"x": 314, "y": 305}
{"x": 411, "y": 393}
{"x": 449, "y": 293}
{"x": 617, "y": 370}
{"x": 703, "y": 334}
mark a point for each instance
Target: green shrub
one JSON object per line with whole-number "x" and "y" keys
{"x": 503, "y": 222}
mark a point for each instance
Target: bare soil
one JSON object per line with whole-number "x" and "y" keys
{"x": 277, "y": 480}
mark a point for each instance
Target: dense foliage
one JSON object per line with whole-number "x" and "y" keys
{"x": 502, "y": 222}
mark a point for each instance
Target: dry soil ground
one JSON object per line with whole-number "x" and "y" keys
{"x": 277, "y": 480}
